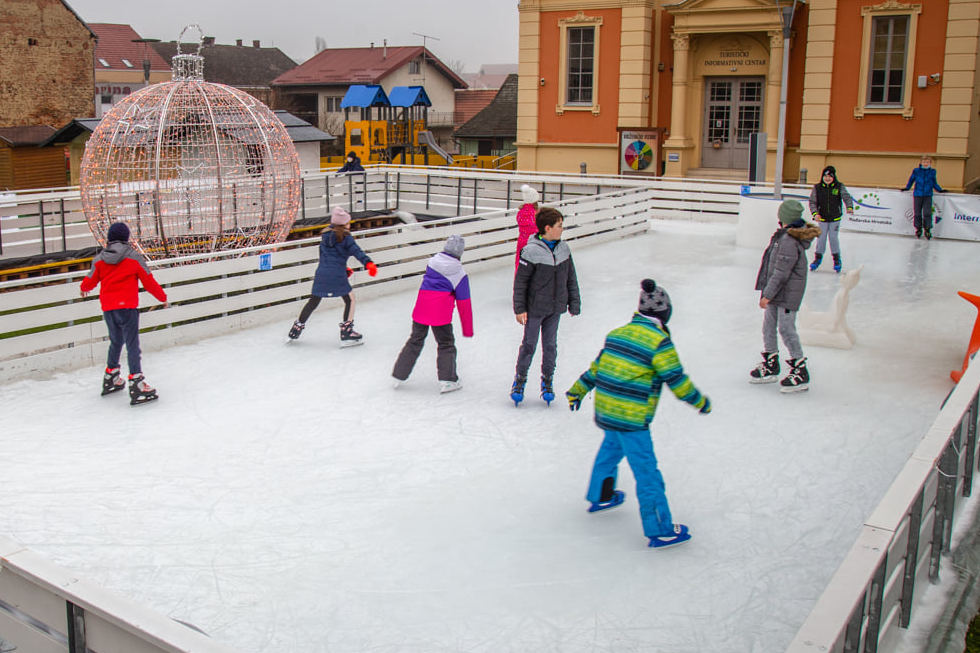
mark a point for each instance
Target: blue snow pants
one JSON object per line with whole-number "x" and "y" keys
{"x": 637, "y": 447}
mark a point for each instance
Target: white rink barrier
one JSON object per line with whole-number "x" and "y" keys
{"x": 872, "y": 594}
{"x": 47, "y": 609}
{"x": 39, "y": 222}
{"x": 46, "y": 326}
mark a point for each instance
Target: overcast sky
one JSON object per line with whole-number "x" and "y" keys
{"x": 475, "y": 32}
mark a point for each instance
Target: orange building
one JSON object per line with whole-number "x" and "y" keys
{"x": 872, "y": 85}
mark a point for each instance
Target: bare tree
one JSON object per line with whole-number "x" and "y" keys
{"x": 320, "y": 44}
{"x": 456, "y": 65}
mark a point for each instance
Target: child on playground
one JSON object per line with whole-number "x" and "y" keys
{"x": 827, "y": 199}
{"x": 545, "y": 286}
{"x": 444, "y": 285}
{"x": 923, "y": 178}
{"x": 330, "y": 279}
{"x": 526, "y": 226}
{"x": 782, "y": 280}
{"x": 120, "y": 270}
{"x": 628, "y": 376}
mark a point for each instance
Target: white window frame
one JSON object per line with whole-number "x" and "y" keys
{"x": 415, "y": 67}
{"x": 564, "y": 24}
{"x": 126, "y": 63}
{"x": 869, "y": 13}
{"x": 104, "y": 63}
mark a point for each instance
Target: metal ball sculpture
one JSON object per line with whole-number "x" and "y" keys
{"x": 193, "y": 167}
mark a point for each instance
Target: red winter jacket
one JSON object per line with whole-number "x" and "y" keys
{"x": 120, "y": 269}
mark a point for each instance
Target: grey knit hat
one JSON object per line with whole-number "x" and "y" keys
{"x": 789, "y": 212}
{"x": 654, "y": 301}
{"x": 454, "y": 246}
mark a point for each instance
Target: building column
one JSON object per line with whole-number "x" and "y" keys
{"x": 679, "y": 142}
{"x": 635, "y": 53}
{"x": 773, "y": 83}
{"x": 954, "y": 135}
{"x": 817, "y": 79}
{"x": 528, "y": 87}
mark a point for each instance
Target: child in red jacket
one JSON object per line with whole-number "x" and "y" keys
{"x": 120, "y": 269}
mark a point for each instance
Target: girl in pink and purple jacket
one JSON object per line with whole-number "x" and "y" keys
{"x": 525, "y": 219}
{"x": 444, "y": 286}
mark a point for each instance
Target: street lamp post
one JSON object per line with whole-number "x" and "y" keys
{"x": 146, "y": 58}
{"x": 786, "y": 15}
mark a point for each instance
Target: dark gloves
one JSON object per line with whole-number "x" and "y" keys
{"x": 574, "y": 403}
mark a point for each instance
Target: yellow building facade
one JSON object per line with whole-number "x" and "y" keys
{"x": 871, "y": 86}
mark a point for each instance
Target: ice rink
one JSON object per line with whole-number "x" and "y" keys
{"x": 286, "y": 498}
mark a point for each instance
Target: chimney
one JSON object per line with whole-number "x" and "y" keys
{"x": 208, "y": 40}
{"x": 255, "y": 43}
{"x": 238, "y": 42}
{"x": 384, "y": 55}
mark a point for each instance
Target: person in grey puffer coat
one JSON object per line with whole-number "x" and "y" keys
{"x": 545, "y": 286}
{"x": 782, "y": 281}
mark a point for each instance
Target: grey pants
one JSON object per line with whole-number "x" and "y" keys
{"x": 445, "y": 354}
{"x": 547, "y": 326}
{"x": 783, "y": 320}
{"x": 922, "y": 212}
{"x": 828, "y": 230}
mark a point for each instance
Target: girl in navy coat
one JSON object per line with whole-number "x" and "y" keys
{"x": 330, "y": 280}
{"x": 923, "y": 178}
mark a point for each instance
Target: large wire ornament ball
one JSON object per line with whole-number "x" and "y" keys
{"x": 193, "y": 167}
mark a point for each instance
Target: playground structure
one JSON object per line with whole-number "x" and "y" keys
{"x": 388, "y": 127}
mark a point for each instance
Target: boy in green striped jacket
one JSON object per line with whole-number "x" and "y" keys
{"x": 628, "y": 375}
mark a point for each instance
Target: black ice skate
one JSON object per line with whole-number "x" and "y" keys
{"x": 517, "y": 389}
{"x": 768, "y": 370}
{"x": 140, "y": 391}
{"x": 349, "y": 337}
{"x": 112, "y": 381}
{"x": 798, "y": 378}
{"x": 296, "y": 329}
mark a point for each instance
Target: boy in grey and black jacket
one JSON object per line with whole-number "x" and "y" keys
{"x": 782, "y": 281}
{"x": 545, "y": 286}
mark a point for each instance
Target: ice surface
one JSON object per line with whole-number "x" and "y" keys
{"x": 286, "y": 498}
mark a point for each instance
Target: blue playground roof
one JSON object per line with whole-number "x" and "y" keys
{"x": 361, "y": 95}
{"x": 409, "y": 96}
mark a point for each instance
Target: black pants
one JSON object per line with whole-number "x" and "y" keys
{"x": 314, "y": 301}
{"x": 547, "y": 327}
{"x": 124, "y": 329}
{"x": 445, "y": 355}
{"x": 922, "y": 212}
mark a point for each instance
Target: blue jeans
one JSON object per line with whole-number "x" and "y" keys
{"x": 637, "y": 447}
{"x": 124, "y": 329}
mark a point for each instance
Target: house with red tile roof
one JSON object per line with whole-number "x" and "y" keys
{"x": 471, "y": 101}
{"x": 314, "y": 89}
{"x": 123, "y": 64}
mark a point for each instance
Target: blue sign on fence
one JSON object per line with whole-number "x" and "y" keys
{"x": 746, "y": 189}
{"x": 265, "y": 261}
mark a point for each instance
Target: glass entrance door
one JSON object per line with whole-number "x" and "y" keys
{"x": 732, "y": 111}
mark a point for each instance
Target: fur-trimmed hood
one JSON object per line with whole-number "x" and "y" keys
{"x": 804, "y": 234}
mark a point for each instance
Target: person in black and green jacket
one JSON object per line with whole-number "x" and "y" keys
{"x": 628, "y": 376}
{"x": 828, "y": 200}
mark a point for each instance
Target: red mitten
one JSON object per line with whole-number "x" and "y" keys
{"x": 372, "y": 268}
{"x": 349, "y": 272}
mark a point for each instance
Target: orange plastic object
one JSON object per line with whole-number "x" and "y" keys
{"x": 974, "y": 345}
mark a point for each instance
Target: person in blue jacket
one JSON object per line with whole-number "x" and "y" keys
{"x": 923, "y": 178}
{"x": 330, "y": 279}
{"x": 351, "y": 164}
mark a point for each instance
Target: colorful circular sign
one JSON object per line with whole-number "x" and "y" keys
{"x": 638, "y": 155}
